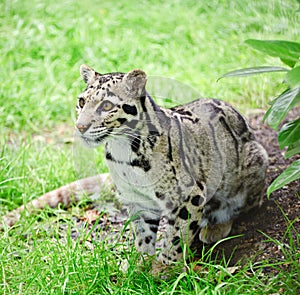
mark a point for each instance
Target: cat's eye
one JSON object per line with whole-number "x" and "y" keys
{"x": 107, "y": 106}
{"x": 81, "y": 102}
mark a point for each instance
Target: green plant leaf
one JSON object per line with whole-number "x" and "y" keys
{"x": 289, "y": 133}
{"x": 293, "y": 77}
{"x": 294, "y": 149}
{"x": 292, "y": 173}
{"x": 287, "y": 51}
{"x": 288, "y": 62}
{"x": 253, "y": 71}
{"x": 281, "y": 106}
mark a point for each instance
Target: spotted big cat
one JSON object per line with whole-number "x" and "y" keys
{"x": 197, "y": 165}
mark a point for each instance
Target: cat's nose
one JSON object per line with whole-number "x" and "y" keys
{"x": 82, "y": 128}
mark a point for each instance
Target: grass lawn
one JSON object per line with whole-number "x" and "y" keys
{"x": 42, "y": 45}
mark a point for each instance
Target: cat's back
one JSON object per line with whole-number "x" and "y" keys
{"x": 219, "y": 116}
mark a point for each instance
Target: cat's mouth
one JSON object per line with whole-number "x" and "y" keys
{"x": 97, "y": 139}
{"x": 92, "y": 142}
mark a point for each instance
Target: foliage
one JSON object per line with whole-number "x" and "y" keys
{"x": 289, "y": 134}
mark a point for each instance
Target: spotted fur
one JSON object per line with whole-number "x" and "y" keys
{"x": 198, "y": 164}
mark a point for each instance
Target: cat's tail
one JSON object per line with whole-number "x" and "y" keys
{"x": 65, "y": 195}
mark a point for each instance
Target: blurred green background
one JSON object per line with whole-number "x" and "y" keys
{"x": 43, "y": 44}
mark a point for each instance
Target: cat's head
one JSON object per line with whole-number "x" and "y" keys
{"x": 110, "y": 103}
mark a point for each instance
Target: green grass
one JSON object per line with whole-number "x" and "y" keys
{"x": 35, "y": 259}
{"x": 42, "y": 46}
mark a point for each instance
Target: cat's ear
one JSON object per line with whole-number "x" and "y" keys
{"x": 88, "y": 74}
{"x": 135, "y": 82}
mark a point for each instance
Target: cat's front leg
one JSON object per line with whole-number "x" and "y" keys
{"x": 183, "y": 226}
{"x": 146, "y": 226}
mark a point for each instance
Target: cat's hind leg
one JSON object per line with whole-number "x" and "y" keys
{"x": 213, "y": 233}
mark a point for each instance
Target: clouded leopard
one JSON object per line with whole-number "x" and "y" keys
{"x": 198, "y": 165}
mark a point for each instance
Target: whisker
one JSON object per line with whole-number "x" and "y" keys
{"x": 132, "y": 136}
{"x": 128, "y": 135}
